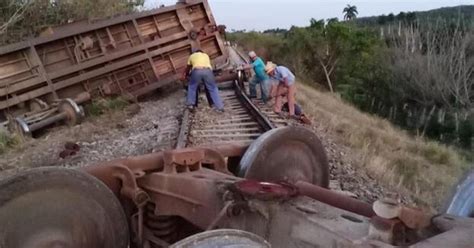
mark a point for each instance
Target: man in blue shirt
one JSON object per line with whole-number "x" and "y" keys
{"x": 285, "y": 87}
{"x": 260, "y": 77}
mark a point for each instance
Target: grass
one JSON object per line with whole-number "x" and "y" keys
{"x": 8, "y": 141}
{"x": 425, "y": 169}
{"x": 104, "y": 105}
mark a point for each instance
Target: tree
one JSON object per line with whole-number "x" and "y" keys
{"x": 22, "y": 19}
{"x": 332, "y": 20}
{"x": 401, "y": 16}
{"x": 11, "y": 12}
{"x": 321, "y": 46}
{"x": 411, "y": 17}
{"x": 391, "y": 17}
{"x": 275, "y": 31}
{"x": 421, "y": 78}
{"x": 382, "y": 20}
{"x": 350, "y": 12}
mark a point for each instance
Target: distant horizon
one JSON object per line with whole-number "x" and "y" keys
{"x": 270, "y": 14}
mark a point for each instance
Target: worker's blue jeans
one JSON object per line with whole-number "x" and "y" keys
{"x": 207, "y": 77}
{"x": 264, "y": 88}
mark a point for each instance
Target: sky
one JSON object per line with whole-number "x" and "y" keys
{"x": 265, "y": 14}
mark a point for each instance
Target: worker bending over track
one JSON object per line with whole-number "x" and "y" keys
{"x": 285, "y": 87}
{"x": 199, "y": 64}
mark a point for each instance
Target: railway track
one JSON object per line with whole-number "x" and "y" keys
{"x": 236, "y": 125}
{"x": 241, "y": 123}
{"x": 265, "y": 109}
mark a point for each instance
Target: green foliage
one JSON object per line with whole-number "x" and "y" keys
{"x": 268, "y": 45}
{"x": 8, "y": 140}
{"x": 117, "y": 103}
{"x": 348, "y": 51}
{"x": 276, "y": 31}
{"x": 101, "y": 106}
{"x": 350, "y": 12}
{"x": 94, "y": 109}
{"x": 419, "y": 77}
{"x": 454, "y": 14}
{"x": 20, "y": 19}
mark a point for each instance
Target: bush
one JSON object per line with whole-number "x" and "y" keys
{"x": 420, "y": 77}
{"x": 20, "y": 19}
{"x": 8, "y": 140}
{"x": 100, "y": 106}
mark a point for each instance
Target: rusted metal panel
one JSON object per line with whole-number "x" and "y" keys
{"x": 128, "y": 55}
{"x": 170, "y": 186}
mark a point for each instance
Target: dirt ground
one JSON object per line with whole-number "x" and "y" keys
{"x": 148, "y": 126}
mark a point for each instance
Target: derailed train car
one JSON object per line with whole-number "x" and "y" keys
{"x": 44, "y": 80}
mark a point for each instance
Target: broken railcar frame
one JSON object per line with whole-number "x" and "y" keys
{"x": 156, "y": 199}
{"x": 285, "y": 214}
{"x": 128, "y": 55}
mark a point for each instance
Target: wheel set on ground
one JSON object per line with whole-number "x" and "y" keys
{"x": 67, "y": 111}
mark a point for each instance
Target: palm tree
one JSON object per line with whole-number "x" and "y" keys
{"x": 350, "y": 12}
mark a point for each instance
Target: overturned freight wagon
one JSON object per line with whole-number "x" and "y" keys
{"x": 44, "y": 80}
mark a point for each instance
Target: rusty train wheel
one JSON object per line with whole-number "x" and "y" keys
{"x": 74, "y": 112}
{"x": 241, "y": 78}
{"x": 286, "y": 154}
{"x": 58, "y": 207}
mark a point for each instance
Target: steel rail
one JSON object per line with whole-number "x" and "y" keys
{"x": 254, "y": 110}
{"x": 266, "y": 111}
{"x": 244, "y": 114}
{"x": 183, "y": 131}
